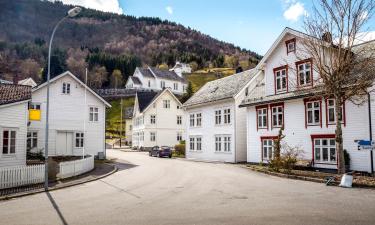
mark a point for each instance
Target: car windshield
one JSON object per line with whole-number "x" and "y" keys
{"x": 164, "y": 147}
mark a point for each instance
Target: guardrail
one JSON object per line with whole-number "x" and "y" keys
{"x": 75, "y": 168}
{"x": 21, "y": 176}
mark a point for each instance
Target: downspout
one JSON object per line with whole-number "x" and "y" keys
{"x": 370, "y": 130}
{"x": 235, "y": 131}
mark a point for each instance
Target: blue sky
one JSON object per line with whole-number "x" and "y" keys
{"x": 250, "y": 24}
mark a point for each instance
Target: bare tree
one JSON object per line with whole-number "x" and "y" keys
{"x": 97, "y": 76}
{"x": 345, "y": 67}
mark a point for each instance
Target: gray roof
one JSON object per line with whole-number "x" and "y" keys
{"x": 146, "y": 72}
{"x": 5, "y": 81}
{"x": 223, "y": 88}
{"x": 10, "y": 93}
{"x": 145, "y": 98}
{"x": 136, "y": 80}
{"x": 165, "y": 74}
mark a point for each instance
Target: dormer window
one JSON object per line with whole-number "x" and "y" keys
{"x": 290, "y": 45}
{"x": 304, "y": 73}
{"x": 281, "y": 79}
{"x": 66, "y": 88}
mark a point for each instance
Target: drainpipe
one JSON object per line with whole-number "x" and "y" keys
{"x": 235, "y": 133}
{"x": 370, "y": 130}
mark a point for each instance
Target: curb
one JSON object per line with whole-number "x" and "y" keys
{"x": 22, "y": 194}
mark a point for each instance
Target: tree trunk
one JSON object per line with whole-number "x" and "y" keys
{"x": 339, "y": 139}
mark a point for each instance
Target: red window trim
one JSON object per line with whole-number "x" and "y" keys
{"x": 272, "y": 106}
{"x": 261, "y": 142}
{"x": 289, "y": 41}
{"x": 287, "y": 77}
{"x": 319, "y": 136}
{"x": 311, "y": 72}
{"x": 305, "y": 101}
{"x": 256, "y": 109}
{"x": 343, "y": 112}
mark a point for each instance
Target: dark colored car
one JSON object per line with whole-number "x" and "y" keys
{"x": 162, "y": 151}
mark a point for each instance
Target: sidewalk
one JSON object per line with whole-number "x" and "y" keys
{"x": 101, "y": 170}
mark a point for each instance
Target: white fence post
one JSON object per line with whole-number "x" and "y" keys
{"x": 75, "y": 168}
{"x": 21, "y": 176}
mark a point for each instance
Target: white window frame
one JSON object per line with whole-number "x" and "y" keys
{"x": 268, "y": 149}
{"x": 312, "y": 110}
{"x": 217, "y": 117}
{"x": 276, "y": 113}
{"x": 332, "y": 108}
{"x": 9, "y": 146}
{"x": 291, "y": 43}
{"x": 281, "y": 77}
{"x": 198, "y": 122}
{"x": 179, "y": 136}
{"x": 32, "y": 138}
{"x": 152, "y": 119}
{"x": 36, "y": 106}
{"x": 302, "y": 73}
{"x": 179, "y": 120}
{"x": 152, "y": 136}
{"x": 80, "y": 137}
{"x": 195, "y": 143}
{"x": 93, "y": 114}
{"x": 319, "y": 148}
{"x": 192, "y": 120}
{"x": 262, "y": 118}
{"x": 223, "y": 143}
{"x": 175, "y": 86}
{"x": 162, "y": 84}
{"x": 66, "y": 88}
{"x": 227, "y": 116}
{"x": 166, "y": 104}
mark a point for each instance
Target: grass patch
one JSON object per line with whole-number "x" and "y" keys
{"x": 201, "y": 77}
{"x": 113, "y": 121}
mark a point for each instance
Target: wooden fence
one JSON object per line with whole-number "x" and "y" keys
{"x": 21, "y": 176}
{"x": 75, "y": 168}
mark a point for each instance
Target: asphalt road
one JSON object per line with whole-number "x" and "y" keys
{"x": 172, "y": 191}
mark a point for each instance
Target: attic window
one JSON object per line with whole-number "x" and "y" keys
{"x": 290, "y": 45}
{"x": 214, "y": 90}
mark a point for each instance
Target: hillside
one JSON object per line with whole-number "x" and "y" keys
{"x": 102, "y": 41}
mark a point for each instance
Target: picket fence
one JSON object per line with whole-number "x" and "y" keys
{"x": 75, "y": 168}
{"x": 21, "y": 175}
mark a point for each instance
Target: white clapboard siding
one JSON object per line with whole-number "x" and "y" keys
{"x": 21, "y": 176}
{"x": 75, "y": 168}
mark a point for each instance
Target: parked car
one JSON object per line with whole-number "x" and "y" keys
{"x": 162, "y": 151}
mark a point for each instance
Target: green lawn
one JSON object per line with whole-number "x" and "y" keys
{"x": 114, "y": 114}
{"x": 201, "y": 77}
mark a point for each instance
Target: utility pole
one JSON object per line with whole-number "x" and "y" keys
{"x": 121, "y": 123}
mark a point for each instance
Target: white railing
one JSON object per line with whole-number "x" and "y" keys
{"x": 75, "y": 168}
{"x": 21, "y": 176}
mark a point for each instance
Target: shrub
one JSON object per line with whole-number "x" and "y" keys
{"x": 180, "y": 149}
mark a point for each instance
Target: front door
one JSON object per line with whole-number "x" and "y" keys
{"x": 64, "y": 143}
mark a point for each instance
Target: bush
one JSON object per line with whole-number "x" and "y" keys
{"x": 180, "y": 149}
{"x": 288, "y": 158}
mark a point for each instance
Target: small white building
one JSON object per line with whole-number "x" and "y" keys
{"x": 154, "y": 79}
{"x": 28, "y": 81}
{"x": 76, "y": 118}
{"x": 216, "y": 127}
{"x": 14, "y": 101}
{"x": 158, "y": 120}
{"x": 181, "y": 68}
{"x": 284, "y": 97}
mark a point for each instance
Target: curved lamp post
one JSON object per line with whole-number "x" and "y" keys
{"x": 71, "y": 13}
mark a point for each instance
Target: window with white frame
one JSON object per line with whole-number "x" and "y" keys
{"x": 166, "y": 104}
{"x": 227, "y": 116}
{"x": 218, "y": 143}
{"x": 66, "y": 88}
{"x": 267, "y": 149}
{"x": 153, "y": 119}
{"x": 162, "y": 84}
{"x": 262, "y": 117}
{"x": 142, "y": 136}
{"x": 9, "y": 141}
{"x": 281, "y": 80}
{"x": 32, "y": 140}
{"x": 227, "y": 143}
{"x": 192, "y": 143}
{"x": 198, "y": 143}
{"x": 149, "y": 83}
{"x": 179, "y": 120}
{"x": 192, "y": 120}
{"x": 79, "y": 137}
{"x": 223, "y": 143}
{"x": 94, "y": 114}
{"x": 247, "y": 91}
{"x": 35, "y": 106}
{"x": 175, "y": 86}
{"x": 325, "y": 150}
{"x": 304, "y": 73}
{"x": 313, "y": 112}
{"x": 331, "y": 112}
{"x": 277, "y": 116}
{"x": 291, "y": 45}
{"x": 179, "y": 136}
{"x": 152, "y": 136}
{"x": 217, "y": 117}
{"x": 195, "y": 143}
{"x": 198, "y": 119}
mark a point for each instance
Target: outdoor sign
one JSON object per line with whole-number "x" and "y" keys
{"x": 366, "y": 145}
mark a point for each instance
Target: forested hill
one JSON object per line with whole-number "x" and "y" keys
{"x": 110, "y": 45}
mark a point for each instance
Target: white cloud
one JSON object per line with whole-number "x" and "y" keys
{"x": 102, "y": 5}
{"x": 169, "y": 9}
{"x": 294, "y": 11}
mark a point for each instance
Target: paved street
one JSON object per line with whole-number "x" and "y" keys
{"x": 172, "y": 191}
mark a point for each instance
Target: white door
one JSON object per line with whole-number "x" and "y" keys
{"x": 64, "y": 143}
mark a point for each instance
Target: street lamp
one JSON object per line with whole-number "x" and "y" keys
{"x": 71, "y": 13}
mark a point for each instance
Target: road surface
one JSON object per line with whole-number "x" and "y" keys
{"x": 172, "y": 191}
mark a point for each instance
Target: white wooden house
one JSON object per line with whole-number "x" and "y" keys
{"x": 158, "y": 120}
{"x": 13, "y": 124}
{"x": 181, "y": 68}
{"x": 154, "y": 79}
{"x": 28, "y": 81}
{"x": 284, "y": 96}
{"x": 216, "y": 127}
{"x": 76, "y": 122}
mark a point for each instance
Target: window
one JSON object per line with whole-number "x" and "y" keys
{"x": 199, "y": 119}
{"x": 247, "y": 91}
{"x": 152, "y": 136}
{"x": 262, "y": 117}
{"x": 226, "y": 116}
{"x": 166, "y": 104}
{"x": 175, "y": 86}
{"x": 66, "y": 88}
{"x": 179, "y": 136}
{"x": 153, "y": 119}
{"x": 281, "y": 79}
{"x": 290, "y": 45}
{"x": 195, "y": 143}
{"x": 179, "y": 120}
{"x": 313, "y": 114}
{"x": 324, "y": 150}
{"x": 35, "y": 106}
{"x": 218, "y": 143}
{"x": 162, "y": 84}
{"x": 223, "y": 143}
{"x": 277, "y": 115}
{"x": 142, "y": 136}
{"x": 191, "y": 143}
{"x": 218, "y": 117}
{"x": 149, "y": 83}
{"x": 199, "y": 143}
{"x": 9, "y": 142}
{"x": 267, "y": 148}
{"x": 227, "y": 143}
{"x": 79, "y": 140}
{"x": 304, "y": 73}
{"x": 32, "y": 139}
{"x": 192, "y": 120}
{"x": 331, "y": 112}
{"x": 94, "y": 114}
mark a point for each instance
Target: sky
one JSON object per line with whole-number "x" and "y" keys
{"x": 249, "y": 24}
